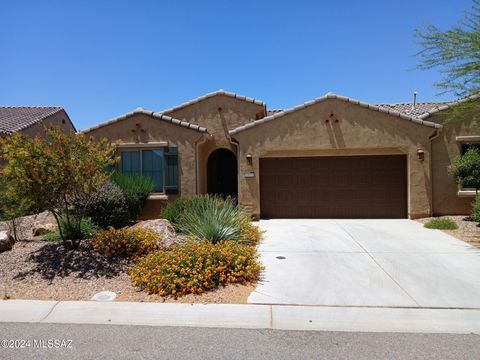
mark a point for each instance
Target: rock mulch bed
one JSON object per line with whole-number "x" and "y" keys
{"x": 37, "y": 269}
{"x": 32, "y": 225}
{"x": 468, "y": 231}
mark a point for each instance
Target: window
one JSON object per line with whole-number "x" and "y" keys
{"x": 161, "y": 165}
{"x": 464, "y": 147}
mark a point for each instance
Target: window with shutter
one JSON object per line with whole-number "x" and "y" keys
{"x": 161, "y": 165}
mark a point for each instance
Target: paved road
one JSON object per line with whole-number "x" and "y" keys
{"x": 390, "y": 263}
{"x": 135, "y": 342}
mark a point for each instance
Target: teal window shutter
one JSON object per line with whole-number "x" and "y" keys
{"x": 171, "y": 176}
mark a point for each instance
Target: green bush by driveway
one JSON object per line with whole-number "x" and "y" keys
{"x": 476, "y": 209}
{"x": 441, "y": 224}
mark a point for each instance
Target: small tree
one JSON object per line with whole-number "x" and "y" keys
{"x": 12, "y": 208}
{"x": 465, "y": 169}
{"x": 456, "y": 53}
{"x": 56, "y": 173}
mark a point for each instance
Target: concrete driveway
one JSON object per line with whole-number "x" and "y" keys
{"x": 392, "y": 263}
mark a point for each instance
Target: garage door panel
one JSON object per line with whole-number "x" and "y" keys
{"x": 334, "y": 187}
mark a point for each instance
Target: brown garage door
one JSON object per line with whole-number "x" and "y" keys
{"x": 334, "y": 187}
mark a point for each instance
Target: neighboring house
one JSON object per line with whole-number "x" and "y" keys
{"x": 331, "y": 157}
{"x": 31, "y": 119}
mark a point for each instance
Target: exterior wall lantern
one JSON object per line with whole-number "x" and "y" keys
{"x": 420, "y": 154}
{"x": 249, "y": 159}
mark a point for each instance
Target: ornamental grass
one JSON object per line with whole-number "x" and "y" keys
{"x": 212, "y": 218}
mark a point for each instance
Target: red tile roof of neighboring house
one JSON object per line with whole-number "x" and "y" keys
{"x": 17, "y": 118}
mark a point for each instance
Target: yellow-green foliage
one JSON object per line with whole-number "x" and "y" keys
{"x": 55, "y": 171}
{"x": 196, "y": 267}
{"x": 125, "y": 242}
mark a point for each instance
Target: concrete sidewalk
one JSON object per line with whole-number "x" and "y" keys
{"x": 281, "y": 317}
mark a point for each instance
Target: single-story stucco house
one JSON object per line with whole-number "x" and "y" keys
{"x": 331, "y": 157}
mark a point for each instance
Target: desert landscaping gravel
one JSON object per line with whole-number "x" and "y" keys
{"x": 468, "y": 231}
{"x": 37, "y": 269}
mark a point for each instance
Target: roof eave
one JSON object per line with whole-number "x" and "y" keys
{"x": 157, "y": 115}
{"x": 330, "y": 95}
{"x": 212, "y": 94}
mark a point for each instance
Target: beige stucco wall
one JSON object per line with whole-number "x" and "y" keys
{"x": 59, "y": 119}
{"x": 445, "y": 149}
{"x": 233, "y": 113}
{"x": 157, "y": 130}
{"x": 218, "y": 114}
{"x": 359, "y": 131}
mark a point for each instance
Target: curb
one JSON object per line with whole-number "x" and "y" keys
{"x": 246, "y": 316}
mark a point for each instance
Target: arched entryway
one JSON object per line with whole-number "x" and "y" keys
{"x": 222, "y": 174}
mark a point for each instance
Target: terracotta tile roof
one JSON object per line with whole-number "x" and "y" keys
{"x": 155, "y": 115}
{"x": 215, "y": 93}
{"x": 425, "y": 109}
{"x": 382, "y": 109}
{"x": 16, "y": 118}
{"x": 418, "y": 110}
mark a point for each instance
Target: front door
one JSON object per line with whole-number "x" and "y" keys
{"x": 222, "y": 174}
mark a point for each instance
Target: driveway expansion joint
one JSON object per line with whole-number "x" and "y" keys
{"x": 377, "y": 263}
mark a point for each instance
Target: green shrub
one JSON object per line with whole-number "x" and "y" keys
{"x": 174, "y": 211}
{"x": 476, "y": 209}
{"x": 212, "y": 218}
{"x": 125, "y": 242}
{"x": 109, "y": 207}
{"x": 441, "y": 224}
{"x": 465, "y": 169}
{"x": 196, "y": 267}
{"x": 136, "y": 190}
{"x": 71, "y": 230}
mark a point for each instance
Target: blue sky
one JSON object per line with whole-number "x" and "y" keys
{"x": 100, "y": 59}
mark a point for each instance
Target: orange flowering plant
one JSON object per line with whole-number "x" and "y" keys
{"x": 55, "y": 172}
{"x": 125, "y": 242}
{"x": 250, "y": 234}
{"x": 196, "y": 267}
